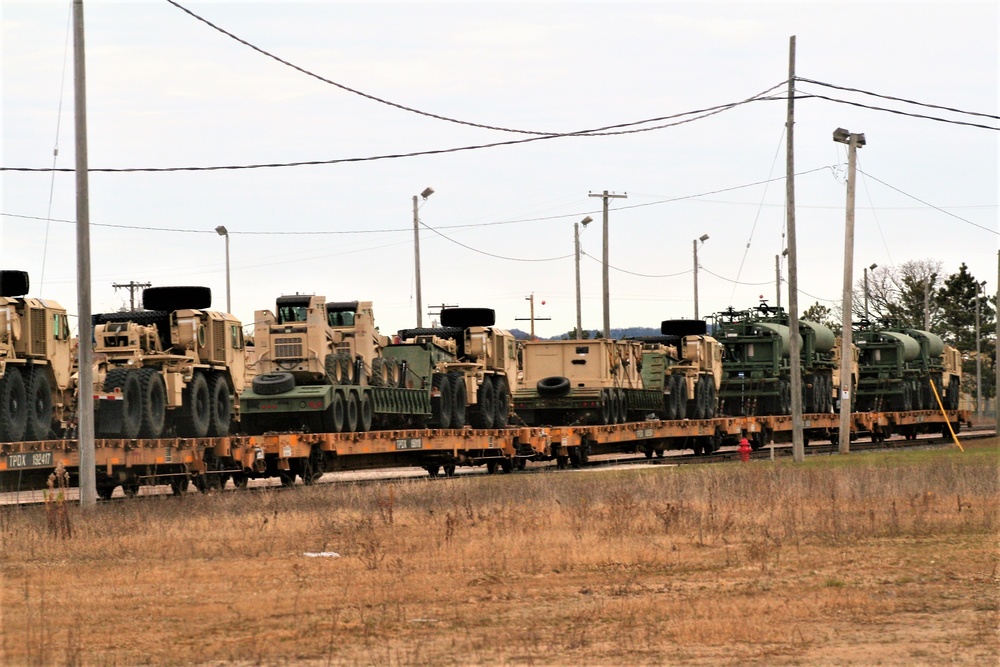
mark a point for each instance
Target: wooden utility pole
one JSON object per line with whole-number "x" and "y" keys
{"x": 996, "y": 396}
{"x": 794, "y": 342}
{"x": 604, "y": 261}
{"x": 531, "y": 299}
{"x": 853, "y": 141}
{"x": 132, "y": 288}
{"x": 85, "y": 327}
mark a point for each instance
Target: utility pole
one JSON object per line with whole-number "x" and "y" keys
{"x": 604, "y": 261}
{"x": 132, "y": 287}
{"x": 777, "y": 278}
{"x": 439, "y": 308}
{"x": 85, "y": 326}
{"x": 927, "y": 303}
{"x": 853, "y": 141}
{"x": 576, "y": 244}
{"x": 795, "y": 362}
{"x": 531, "y": 299}
{"x": 996, "y": 341}
{"x": 979, "y": 358}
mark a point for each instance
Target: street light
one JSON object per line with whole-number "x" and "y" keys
{"x": 576, "y": 242}
{"x": 694, "y": 243}
{"x": 428, "y": 191}
{"x": 853, "y": 141}
{"x": 872, "y": 267}
{"x": 222, "y": 231}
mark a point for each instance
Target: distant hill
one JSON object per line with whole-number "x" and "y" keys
{"x": 627, "y": 332}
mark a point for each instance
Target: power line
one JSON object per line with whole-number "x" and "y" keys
{"x": 941, "y": 210}
{"x": 896, "y": 111}
{"x": 897, "y": 99}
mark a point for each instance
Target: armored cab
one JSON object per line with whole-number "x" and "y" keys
{"x": 37, "y": 383}
{"x": 595, "y": 381}
{"x": 173, "y": 368}
{"x": 896, "y": 366}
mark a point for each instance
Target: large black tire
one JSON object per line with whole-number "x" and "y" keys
{"x": 458, "y": 399}
{"x": 365, "y": 413}
{"x": 482, "y": 415}
{"x": 127, "y": 381}
{"x": 194, "y": 416}
{"x": 553, "y": 386}
{"x": 712, "y": 398}
{"x": 463, "y": 318}
{"x": 13, "y": 406}
{"x": 154, "y": 403}
{"x": 14, "y": 283}
{"x": 351, "y": 410}
{"x": 680, "y": 396}
{"x": 270, "y": 384}
{"x": 221, "y": 404}
{"x": 606, "y": 415}
{"x": 176, "y": 298}
{"x": 380, "y": 373}
{"x": 501, "y": 395}
{"x": 38, "y": 405}
{"x": 333, "y": 416}
{"x": 700, "y": 400}
{"x": 441, "y": 410}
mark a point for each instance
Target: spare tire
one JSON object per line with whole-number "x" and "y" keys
{"x": 270, "y": 384}
{"x": 176, "y": 298}
{"x": 555, "y": 385}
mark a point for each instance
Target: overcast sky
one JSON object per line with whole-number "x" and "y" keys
{"x": 167, "y": 90}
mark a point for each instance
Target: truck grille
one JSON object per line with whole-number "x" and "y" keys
{"x": 37, "y": 339}
{"x": 289, "y": 348}
{"x": 219, "y": 341}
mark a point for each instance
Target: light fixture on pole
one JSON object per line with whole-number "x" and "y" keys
{"x": 872, "y": 267}
{"x": 853, "y": 141}
{"x": 777, "y": 275}
{"x": 416, "y": 253}
{"x": 576, "y": 243}
{"x": 694, "y": 243}
{"x": 222, "y": 231}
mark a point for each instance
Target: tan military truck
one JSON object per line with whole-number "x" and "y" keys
{"x": 568, "y": 382}
{"x": 686, "y": 365}
{"x": 36, "y": 364}
{"x": 173, "y": 368}
{"x": 950, "y": 385}
{"x": 480, "y": 377}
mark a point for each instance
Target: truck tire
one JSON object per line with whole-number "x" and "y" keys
{"x": 13, "y": 406}
{"x": 501, "y": 396}
{"x": 365, "y": 412}
{"x": 441, "y": 405}
{"x": 270, "y": 384}
{"x": 333, "y": 416}
{"x": 606, "y": 415}
{"x": 154, "y": 403}
{"x": 38, "y": 405}
{"x": 380, "y": 373}
{"x": 555, "y": 385}
{"x": 458, "y": 400}
{"x": 176, "y": 298}
{"x": 483, "y": 414}
{"x": 221, "y": 408}
{"x": 127, "y": 382}
{"x": 351, "y": 412}
{"x": 196, "y": 408}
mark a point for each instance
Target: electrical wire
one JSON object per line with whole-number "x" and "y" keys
{"x": 897, "y": 99}
{"x": 896, "y": 111}
{"x": 936, "y": 208}
{"x": 633, "y": 273}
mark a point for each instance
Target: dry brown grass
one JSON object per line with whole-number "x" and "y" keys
{"x": 870, "y": 559}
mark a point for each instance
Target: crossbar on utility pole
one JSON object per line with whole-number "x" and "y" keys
{"x": 604, "y": 260}
{"x": 132, "y": 288}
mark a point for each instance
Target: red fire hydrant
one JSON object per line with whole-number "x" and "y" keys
{"x": 744, "y": 450}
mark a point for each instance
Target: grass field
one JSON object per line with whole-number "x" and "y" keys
{"x": 872, "y": 559}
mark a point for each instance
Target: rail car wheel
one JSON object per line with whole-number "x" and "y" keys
{"x": 458, "y": 400}
{"x": 130, "y": 487}
{"x": 179, "y": 484}
{"x": 220, "y": 406}
{"x": 195, "y": 414}
{"x": 38, "y": 406}
{"x": 240, "y": 479}
{"x": 501, "y": 395}
{"x": 491, "y": 467}
{"x": 433, "y": 471}
{"x": 507, "y": 466}
{"x": 365, "y": 413}
{"x": 483, "y": 414}
{"x": 312, "y": 467}
{"x": 449, "y": 471}
{"x": 351, "y": 413}
{"x": 441, "y": 404}
{"x": 154, "y": 403}
{"x": 105, "y": 491}
{"x": 13, "y": 406}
